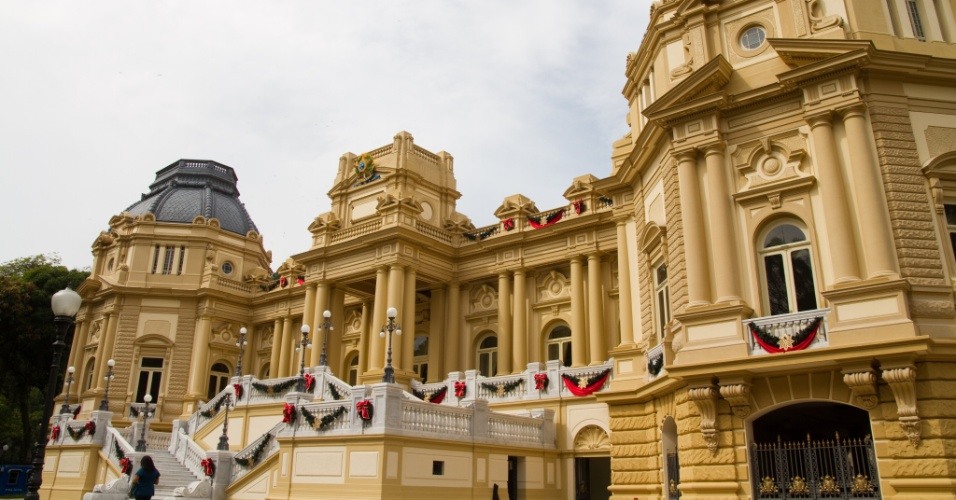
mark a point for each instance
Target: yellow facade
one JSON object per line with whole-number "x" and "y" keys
{"x": 770, "y": 260}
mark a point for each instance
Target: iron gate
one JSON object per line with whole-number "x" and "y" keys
{"x": 673, "y": 476}
{"x": 829, "y": 468}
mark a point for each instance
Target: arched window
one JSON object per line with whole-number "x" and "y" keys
{"x": 787, "y": 270}
{"x": 218, "y": 379}
{"x": 264, "y": 371}
{"x": 420, "y": 363}
{"x": 90, "y": 372}
{"x": 353, "y": 368}
{"x": 559, "y": 345}
{"x": 487, "y": 356}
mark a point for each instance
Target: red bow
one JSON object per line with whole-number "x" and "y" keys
{"x": 288, "y": 413}
{"x": 90, "y": 427}
{"x": 579, "y": 206}
{"x": 509, "y": 224}
{"x": 55, "y": 432}
{"x": 208, "y": 467}
{"x": 460, "y": 388}
{"x": 309, "y": 381}
{"x": 126, "y": 466}
{"x": 283, "y": 281}
{"x": 364, "y": 408}
{"x": 238, "y": 388}
{"x": 300, "y": 280}
{"x": 541, "y": 381}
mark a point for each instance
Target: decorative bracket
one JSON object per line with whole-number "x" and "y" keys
{"x": 706, "y": 400}
{"x": 862, "y": 384}
{"x": 903, "y": 382}
{"x": 738, "y": 395}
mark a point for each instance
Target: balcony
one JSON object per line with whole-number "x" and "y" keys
{"x": 787, "y": 332}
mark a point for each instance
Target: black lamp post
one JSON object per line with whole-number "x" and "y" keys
{"x": 105, "y": 403}
{"x": 65, "y": 304}
{"x": 141, "y": 444}
{"x": 326, "y": 325}
{"x": 303, "y": 344}
{"x": 241, "y": 344}
{"x": 224, "y": 438}
{"x": 390, "y": 328}
{"x": 69, "y": 385}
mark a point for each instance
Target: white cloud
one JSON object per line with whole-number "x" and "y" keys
{"x": 98, "y": 96}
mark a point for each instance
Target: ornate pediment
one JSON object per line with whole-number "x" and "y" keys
{"x": 702, "y": 90}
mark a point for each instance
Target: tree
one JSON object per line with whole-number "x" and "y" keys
{"x": 26, "y": 337}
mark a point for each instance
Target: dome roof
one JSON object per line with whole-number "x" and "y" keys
{"x": 189, "y": 188}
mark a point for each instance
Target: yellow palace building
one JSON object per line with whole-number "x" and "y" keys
{"x": 756, "y": 301}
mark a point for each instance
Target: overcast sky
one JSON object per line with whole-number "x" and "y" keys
{"x": 96, "y": 96}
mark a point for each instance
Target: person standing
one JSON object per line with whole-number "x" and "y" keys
{"x": 145, "y": 479}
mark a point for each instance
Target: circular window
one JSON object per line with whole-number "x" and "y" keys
{"x": 226, "y": 267}
{"x": 753, "y": 37}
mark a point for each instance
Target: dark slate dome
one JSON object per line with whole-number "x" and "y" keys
{"x": 189, "y": 188}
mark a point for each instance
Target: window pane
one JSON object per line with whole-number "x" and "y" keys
{"x": 491, "y": 341}
{"x": 560, "y": 332}
{"x": 152, "y": 363}
{"x": 567, "y": 353}
{"x": 776, "y": 284}
{"x": 952, "y": 241}
{"x": 141, "y": 386}
{"x": 423, "y": 372}
{"x": 211, "y": 388}
{"x": 553, "y": 351}
{"x": 803, "y": 280}
{"x": 950, "y": 214}
{"x": 154, "y": 385}
{"x": 494, "y": 364}
{"x": 421, "y": 345}
{"x": 783, "y": 234}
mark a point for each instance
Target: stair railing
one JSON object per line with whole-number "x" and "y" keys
{"x": 188, "y": 453}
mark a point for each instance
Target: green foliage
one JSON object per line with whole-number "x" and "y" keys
{"x": 27, "y": 334}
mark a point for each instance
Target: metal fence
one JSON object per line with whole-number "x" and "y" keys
{"x": 829, "y": 468}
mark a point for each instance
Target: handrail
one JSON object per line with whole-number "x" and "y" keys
{"x": 188, "y": 453}
{"x": 271, "y": 448}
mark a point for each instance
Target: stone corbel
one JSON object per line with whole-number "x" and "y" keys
{"x": 737, "y": 393}
{"x": 706, "y": 400}
{"x": 902, "y": 380}
{"x": 862, "y": 384}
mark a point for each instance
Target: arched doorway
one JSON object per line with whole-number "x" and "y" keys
{"x": 813, "y": 450}
{"x": 592, "y": 464}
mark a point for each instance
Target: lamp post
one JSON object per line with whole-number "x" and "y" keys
{"x": 224, "y": 438}
{"x": 141, "y": 444}
{"x": 241, "y": 344}
{"x": 69, "y": 385}
{"x": 390, "y": 328}
{"x": 65, "y": 304}
{"x": 303, "y": 344}
{"x": 105, "y": 403}
{"x": 326, "y": 325}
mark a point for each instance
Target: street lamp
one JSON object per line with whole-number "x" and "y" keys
{"x": 65, "y": 304}
{"x": 303, "y": 344}
{"x": 141, "y": 444}
{"x": 69, "y": 385}
{"x": 241, "y": 344}
{"x": 224, "y": 439}
{"x": 390, "y": 327}
{"x": 105, "y": 404}
{"x": 327, "y": 326}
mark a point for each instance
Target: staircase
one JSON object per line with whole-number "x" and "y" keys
{"x": 172, "y": 473}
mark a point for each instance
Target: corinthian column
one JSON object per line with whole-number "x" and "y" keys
{"x": 504, "y": 323}
{"x": 833, "y": 194}
{"x": 692, "y": 218}
{"x": 578, "y": 328}
{"x": 874, "y": 218}
{"x": 726, "y": 276}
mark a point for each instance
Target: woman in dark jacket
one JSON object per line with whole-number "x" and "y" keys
{"x": 145, "y": 479}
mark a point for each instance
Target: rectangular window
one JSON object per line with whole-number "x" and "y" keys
{"x": 182, "y": 259}
{"x": 438, "y": 468}
{"x": 662, "y": 298}
{"x": 913, "y": 10}
{"x": 155, "y": 259}
{"x": 150, "y": 378}
{"x": 168, "y": 259}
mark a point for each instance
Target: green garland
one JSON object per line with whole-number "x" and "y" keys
{"x": 800, "y": 336}
{"x": 336, "y": 395}
{"x": 120, "y": 454}
{"x": 208, "y": 413}
{"x": 279, "y": 388}
{"x": 480, "y": 235}
{"x": 503, "y": 389}
{"x": 326, "y": 420}
{"x": 76, "y": 434}
{"x": 256, "y": 454}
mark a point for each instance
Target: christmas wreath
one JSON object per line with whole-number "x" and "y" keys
{"x": 364, "y": 409}
{"x": 126, "y": 465}
{"x": 585, "y": 387}
{"x": 460, "y": 389}
{"x": 541, "y": 381}
{"x": 238, "y": 388}
{"x": 326, "y": 419}
{"x": 508, "y": 224}
{"x": 579, "y": 207}
{"x": 208, "y": 467}
{"x": 788, "y": 342}
{"x": 309, "y": 381}
{"x": 55, "y": 433}
{"x": 288, "y": 413}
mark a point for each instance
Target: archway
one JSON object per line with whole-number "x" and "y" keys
{"x": 592, "y": 464}
{"x": 813, "y": 450}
